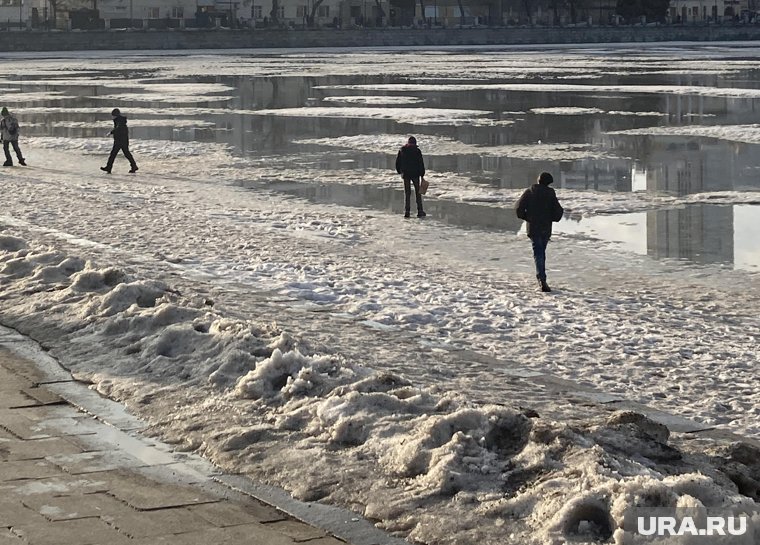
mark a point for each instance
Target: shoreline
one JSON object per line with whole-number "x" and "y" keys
{"x": 41, "y": 41}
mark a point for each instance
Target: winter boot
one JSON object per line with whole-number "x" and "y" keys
{"x": 106, "y": 170}
{"x": 22, "y": 162}
{"x": 544, "y": 286}
{"x": 133, "y": 169}
{"x": 8, "y": 164}
{"x": 421, "y": 214}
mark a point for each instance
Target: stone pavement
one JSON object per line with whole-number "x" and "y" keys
{"x": 67, "y": 478}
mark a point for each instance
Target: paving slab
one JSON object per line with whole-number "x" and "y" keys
{"x": 92, "y": 402}
{"x": 12, "y": 448}
{"x": 19, "y": 426}
{"x": 40, "y": 395}
{"x": 297, "y": 530}
{"x": 149, "y": 453}
{"x": 54, "y": 486}
{"x": 19, "y": 366}
{"x": 144, "y": 493}
{"x": 13, "y": 512}
{"x": 93, "y": 461}
{"x": 67, "y": 478}
{"x": 88, "y": 531}
{"x": 248, "y": 534}
{"x": 9, "y": 538}
{"x": 70, "y": 507}
{"x": 326, "y": 541}
{"x": 19, "y": 470}
{"x": 223, "y": 515}
{"x": 161, "y": 522}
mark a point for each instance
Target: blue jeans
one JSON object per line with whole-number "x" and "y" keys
{"x": 539, "y": 254}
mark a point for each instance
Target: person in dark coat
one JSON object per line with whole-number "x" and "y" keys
{"x": 9, "y": 130}
{"x": 120, "y": 134}
{"x": 410, "y": 165}
{"x": 539, "y": 207}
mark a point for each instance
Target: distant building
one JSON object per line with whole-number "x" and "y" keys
{"x": 699, "y": 11}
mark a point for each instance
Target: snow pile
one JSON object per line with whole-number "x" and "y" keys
{"x": 422, "y": 462}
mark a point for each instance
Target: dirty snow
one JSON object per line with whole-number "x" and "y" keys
{"x": 284, "y": 338}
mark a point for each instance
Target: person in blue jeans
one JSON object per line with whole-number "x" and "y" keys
{"x": 539, "y": 207}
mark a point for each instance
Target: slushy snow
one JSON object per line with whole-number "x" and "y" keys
{"x": 405, "y": 370}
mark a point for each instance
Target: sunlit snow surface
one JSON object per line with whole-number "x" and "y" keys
{"x": 255, "y": 294}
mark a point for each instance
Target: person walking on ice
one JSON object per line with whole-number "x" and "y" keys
{"x": 410, "y": 165}
{"x": 539, "y": 207}
{"x": 9, "y": 130}
{"x": 120, "y": 134}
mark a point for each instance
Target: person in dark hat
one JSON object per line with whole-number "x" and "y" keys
{"x": 9, "y": 130}
{"x": 539, "y": 207}
{"x": 410, "y": 165}
{"x": 120, "y": 134}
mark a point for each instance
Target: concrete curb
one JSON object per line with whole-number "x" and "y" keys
{"x": 89, "y": 436}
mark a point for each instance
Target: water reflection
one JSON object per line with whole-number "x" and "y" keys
{"x": 658, "y": 163}
{"x": 722, "y": 164}
{"x": 699, "y": 234}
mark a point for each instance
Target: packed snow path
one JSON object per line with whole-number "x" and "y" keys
{"x": 680, "y": 339}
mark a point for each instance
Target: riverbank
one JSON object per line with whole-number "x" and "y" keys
{"x": 242, "y": 39}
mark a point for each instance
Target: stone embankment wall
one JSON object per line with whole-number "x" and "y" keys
{"x": 234, "y": 39}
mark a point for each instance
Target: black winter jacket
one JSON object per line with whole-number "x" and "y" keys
{"x": 539, "y": 207}
{"x": 120, "y": 131}
{"x": 409, "y": 162}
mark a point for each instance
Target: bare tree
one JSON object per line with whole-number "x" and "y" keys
{"x": 310, "y": 19}
{"x": 422, "y": 9}
{"x": 53, "y": 12}
{"x": 274, "y": 15}
{"x": 528, "y": 12}
{"x": 555, "y": 11}
{"x": 380, "y": 10}
{"x": 461, "y": 13}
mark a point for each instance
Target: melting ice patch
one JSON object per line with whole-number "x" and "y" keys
{"x": 749, "y": 134}
{"x": 417, "y": 116}
{"x": 732, "y": 92}
{"x": 26, "y": 97}
{"x": 158, "y": 96}
{"x": 442, "y": 146}
{"x": 162, "y": 149}
{"x": 374, "y": 100}
{"x": 566, "y": 111}
{"x": 133, "y": 123}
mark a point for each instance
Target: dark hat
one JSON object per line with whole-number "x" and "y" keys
{"x": 115, "y": 111}
{"x": 545, "y": 178}
{"x": 412, "y": 140}
{"x": 4, "y": 111}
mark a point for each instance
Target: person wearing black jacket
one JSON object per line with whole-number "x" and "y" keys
{"x": 539, "y": 207}
{"x": 410, "y": 165}
{"x": 120, "y": 134}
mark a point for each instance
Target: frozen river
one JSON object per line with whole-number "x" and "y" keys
{"x": 255, "y": 287}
